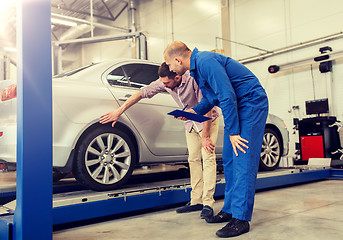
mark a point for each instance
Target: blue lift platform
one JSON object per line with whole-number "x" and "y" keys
{"x": 83, "y": 205}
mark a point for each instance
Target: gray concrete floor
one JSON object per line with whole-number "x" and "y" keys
{"x": 307, "y": 212}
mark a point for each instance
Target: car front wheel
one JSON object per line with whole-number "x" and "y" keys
{"x": 105, "y": 159}
{"x": 271, "y": 150}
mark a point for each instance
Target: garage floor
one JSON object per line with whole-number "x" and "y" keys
{"x": 307, "y": 212}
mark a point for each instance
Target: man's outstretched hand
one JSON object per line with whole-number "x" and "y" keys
{"x": 238, "y": 142}
{"x": 110, "y": 117}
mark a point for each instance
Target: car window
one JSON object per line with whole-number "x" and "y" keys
{"x": 140, "y": 75}
{"x": 117, "y": 77}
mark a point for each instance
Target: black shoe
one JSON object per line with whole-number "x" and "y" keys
{"x": 234, "y": 228}
{"x": 206, "y": 212}
{"x": 219, "y": 218}
{"x": 189, "y": 208}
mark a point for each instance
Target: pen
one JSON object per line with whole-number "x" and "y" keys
{"x": 185, "y": 107}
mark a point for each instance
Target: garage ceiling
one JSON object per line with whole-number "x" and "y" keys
{"x": 102, "y": 9}
{"x": 105, "y": 12}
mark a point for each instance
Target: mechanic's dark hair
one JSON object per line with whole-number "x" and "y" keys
{"x": 163, "y": 71}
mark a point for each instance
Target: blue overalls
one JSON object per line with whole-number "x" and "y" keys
{"x": 228, "y": 84}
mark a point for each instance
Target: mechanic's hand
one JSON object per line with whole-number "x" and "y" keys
{"x": 237, "y": 142}
{"x": 184, "y": 118}
{"x": 207, "y": 144}
{"x": 109, "y": 117}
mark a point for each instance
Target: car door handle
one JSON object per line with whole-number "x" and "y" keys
{"x": 125, "y": 97}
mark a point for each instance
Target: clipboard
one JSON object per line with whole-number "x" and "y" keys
{"x": 189, "y": 116}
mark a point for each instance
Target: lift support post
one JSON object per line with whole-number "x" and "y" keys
{"x": 33, "y": 213}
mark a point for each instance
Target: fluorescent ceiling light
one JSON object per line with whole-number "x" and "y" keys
{"x": 63, "y": 22}
{"x": 6, "y": 9}
{"x": 207, "y": 7}
{"x": 10, "y": 49}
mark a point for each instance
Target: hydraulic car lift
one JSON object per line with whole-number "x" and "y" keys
{"x": 86, "y": 204}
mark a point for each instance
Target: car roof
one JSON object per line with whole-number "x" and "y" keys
{"x": 93, "y": 71}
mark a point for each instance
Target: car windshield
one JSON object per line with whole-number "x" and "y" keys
{"x": 72, "y": 72}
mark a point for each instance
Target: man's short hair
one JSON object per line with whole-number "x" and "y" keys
{"x": 164, "y": 71}
{"x": 177, "y": 48}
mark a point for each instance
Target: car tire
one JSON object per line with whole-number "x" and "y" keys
{"x": 271, "y": 150}
{"x": 105, "y": 159}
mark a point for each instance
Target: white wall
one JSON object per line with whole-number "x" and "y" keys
{"x": 77, "y": 55}
{"x": 273, "y": 24}
{"x": 195, "y": 22}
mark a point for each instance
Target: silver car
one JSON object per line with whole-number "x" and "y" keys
{"x": 102, "y": 157}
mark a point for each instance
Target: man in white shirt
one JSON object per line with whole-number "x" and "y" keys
{"x": 201, "y": 137}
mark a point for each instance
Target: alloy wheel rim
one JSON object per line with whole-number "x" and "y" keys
{"x": 270, "y": 150}
{"x": 108, "y": 158}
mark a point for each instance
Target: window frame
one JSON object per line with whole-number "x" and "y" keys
{"x": 140, "y": 85}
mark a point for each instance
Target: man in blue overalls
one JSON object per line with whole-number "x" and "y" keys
{"x": 228, "y": 84}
